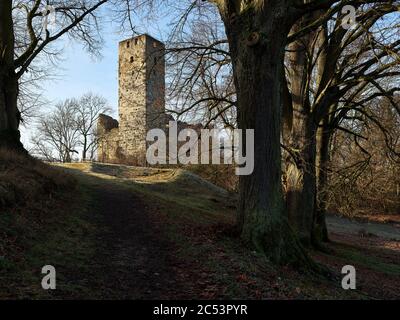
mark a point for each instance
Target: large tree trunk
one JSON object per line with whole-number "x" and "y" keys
{"x": 301, "y": 139}
{"x": 9, "y": 114}
{"x": 320, "y": 230}
{"x": 301, "y": 176}
{"x": 257, "y": 38}
{"x": 326, "y": 66}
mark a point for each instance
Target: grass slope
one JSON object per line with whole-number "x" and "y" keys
{"x": 205, "y": 259}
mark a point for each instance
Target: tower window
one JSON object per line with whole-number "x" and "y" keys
{"x": 128, "y": 44}
{"x": 131, "y": 60}
{"x": 136, "y": 41}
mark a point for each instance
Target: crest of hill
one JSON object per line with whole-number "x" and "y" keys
{"x": 24, "y": 180}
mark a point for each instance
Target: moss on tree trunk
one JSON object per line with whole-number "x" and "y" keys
{"x": 257, "y": 39}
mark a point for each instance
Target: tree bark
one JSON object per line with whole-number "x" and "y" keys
{"x": 320, "y": 230}
{"x": 301, "y": 139}
{"x": 301, "y": 177}
{"x": 9, "y": 114}
{"x": 257, "y": 39}
{"x": 84, "y": 151}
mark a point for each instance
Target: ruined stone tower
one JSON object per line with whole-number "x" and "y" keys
{"x": 141, "y": 102}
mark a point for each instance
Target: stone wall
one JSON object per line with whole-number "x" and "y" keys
{"x": 108, "y": 133}
{"x": 141, "y": 102}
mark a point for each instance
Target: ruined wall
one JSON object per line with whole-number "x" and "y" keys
{"x": 108, "y": 133}
{"x": 141, "y": 101}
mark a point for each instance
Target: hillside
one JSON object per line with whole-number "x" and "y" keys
{"x": 135, "y": 233}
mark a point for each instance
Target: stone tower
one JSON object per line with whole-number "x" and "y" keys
{"x": 141, "y": 102}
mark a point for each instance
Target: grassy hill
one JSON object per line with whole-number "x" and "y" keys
{"x": 128, "y": 232}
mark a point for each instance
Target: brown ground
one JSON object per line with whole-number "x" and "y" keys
{"x": 152, "y": 250}
{"x": 134, "y": 253}
{"x": 165, "y": 235}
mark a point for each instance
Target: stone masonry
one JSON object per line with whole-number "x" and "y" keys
{"x": 141, "y": 102}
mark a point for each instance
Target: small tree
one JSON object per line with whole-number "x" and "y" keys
{"x": 70, "y": 126}
{"x": 58, "y": 132}
{"x": 88, "y": 109}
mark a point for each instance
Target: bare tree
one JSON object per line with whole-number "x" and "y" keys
{"x": 75, "y": 18}
{"x": 42, "y": 150}
{"x": 333, "y": 74}
{"x": 58, "y": 131}
{"x": 257, "y": 33}
{"x": 364, "y": 174}
{"x": 69, "y": 127}
{"x": 201, "y": 86}
{"x": 88, "y": 109}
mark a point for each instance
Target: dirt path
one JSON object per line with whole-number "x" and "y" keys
{"x": 153, "y": 239}
{"x": 365, "y": 229}
{"x": 133, "y": 257}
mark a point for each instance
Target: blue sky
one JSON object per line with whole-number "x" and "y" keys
{"x": 80, "y": 73}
